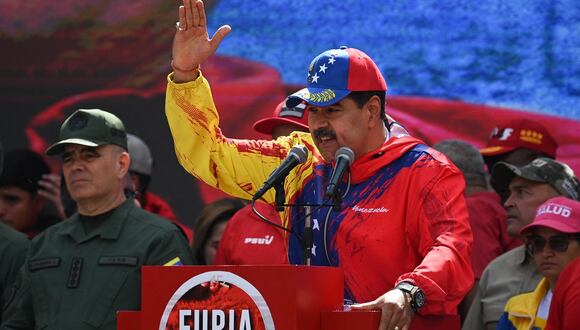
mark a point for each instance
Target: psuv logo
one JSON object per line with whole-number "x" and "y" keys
{"x": 216, "y": 300}
{"x": 267, "y": 240}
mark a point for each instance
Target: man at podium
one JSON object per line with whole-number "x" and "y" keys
{"x": 396, "y": 223}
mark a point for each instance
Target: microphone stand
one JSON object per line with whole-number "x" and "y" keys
{"x": 307, "y": 239}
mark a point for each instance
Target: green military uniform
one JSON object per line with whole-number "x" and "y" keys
{"x": 13, "y": 248}
{"x": 80, "y": 273}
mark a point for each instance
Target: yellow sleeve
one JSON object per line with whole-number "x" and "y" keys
{"x": 237, "y": 167}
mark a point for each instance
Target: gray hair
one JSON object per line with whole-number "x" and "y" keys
{"x": 467, "y": 158}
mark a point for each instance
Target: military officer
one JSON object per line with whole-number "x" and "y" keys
{"x": 80, "y": 272}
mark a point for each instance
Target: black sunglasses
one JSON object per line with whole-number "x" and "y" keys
{"x": 557, "y": 243}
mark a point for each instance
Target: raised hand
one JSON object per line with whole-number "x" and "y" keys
{"x": 191, "y": 44}
{"x": 50, "y": 190}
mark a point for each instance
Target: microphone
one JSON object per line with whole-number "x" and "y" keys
{"x": 297, "y": 155}
{"x": 344, "y": 157}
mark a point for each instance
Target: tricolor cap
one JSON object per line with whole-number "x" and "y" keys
{"x": 91, "y": 128}
{"x": 544, "y": 170}
{"x": 520, "y": 133}
{"x": 335, "y": 73}
{"x": 283, "y": 115}
{"x": 558, "y": 213}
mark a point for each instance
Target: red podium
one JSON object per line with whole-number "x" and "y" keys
{"x": 280, "y": 297}
{"x": 283, "y": 297}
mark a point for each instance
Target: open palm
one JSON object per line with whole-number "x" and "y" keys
{"x": 191, "y": 44}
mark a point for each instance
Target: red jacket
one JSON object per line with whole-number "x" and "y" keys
{"x": 404, "y": 218}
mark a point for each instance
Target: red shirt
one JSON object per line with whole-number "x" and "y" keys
{"x": 488, "y": 220}
{"x": 565, "y": 307}
{"x": 249, "y": 240}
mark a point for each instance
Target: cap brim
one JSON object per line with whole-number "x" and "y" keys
{"x": 495, "y": 150}
{"x": 58, "y": 147}
{"x": 317, "y": 96}
{"x": 502, "y": 174}
{"x": 267, "y": 125}
{"x": 552, "y": 224}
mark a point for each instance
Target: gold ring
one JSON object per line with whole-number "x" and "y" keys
{"x": 178, "y": 27}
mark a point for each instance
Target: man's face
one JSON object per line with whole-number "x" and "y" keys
{"x": 92, "y": 174}
{"x": 339, "y": 125}
{"x": 525, "y": 197}
{"x": 19, "y": 208}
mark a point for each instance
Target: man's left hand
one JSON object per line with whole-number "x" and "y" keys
{"x": 395, "y": 306}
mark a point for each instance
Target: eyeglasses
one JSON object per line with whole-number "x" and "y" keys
{"x": 557, "y": 243}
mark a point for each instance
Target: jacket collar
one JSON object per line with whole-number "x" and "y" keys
{"x": 110, "y": 229}
{"x": 367, "y": 165}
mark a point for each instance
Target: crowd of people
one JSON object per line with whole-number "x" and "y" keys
{"x": 479, "y": 238}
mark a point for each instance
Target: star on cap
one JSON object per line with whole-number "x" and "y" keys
{"x": 331, "y": 60}
{"x": 323, "y": 68}
{"x": 314, "y": 250}
{"x": 315, "y": 78}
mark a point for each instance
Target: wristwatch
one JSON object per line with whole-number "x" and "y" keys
{"x": 416, "y": 294}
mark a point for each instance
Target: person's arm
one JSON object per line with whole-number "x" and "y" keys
{"x": 437, "y": 223}
{"x": 440, "y": 229}
{"x": 237, "y": 167}
{"x": 50, "y": 190}
{"x": 169, "y": 249}
{"x": 18, "y": 311}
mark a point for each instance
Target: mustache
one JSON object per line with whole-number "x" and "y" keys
{"x": 324, "y": 132}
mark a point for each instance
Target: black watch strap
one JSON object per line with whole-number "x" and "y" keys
{"x": 416, "y": 294}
